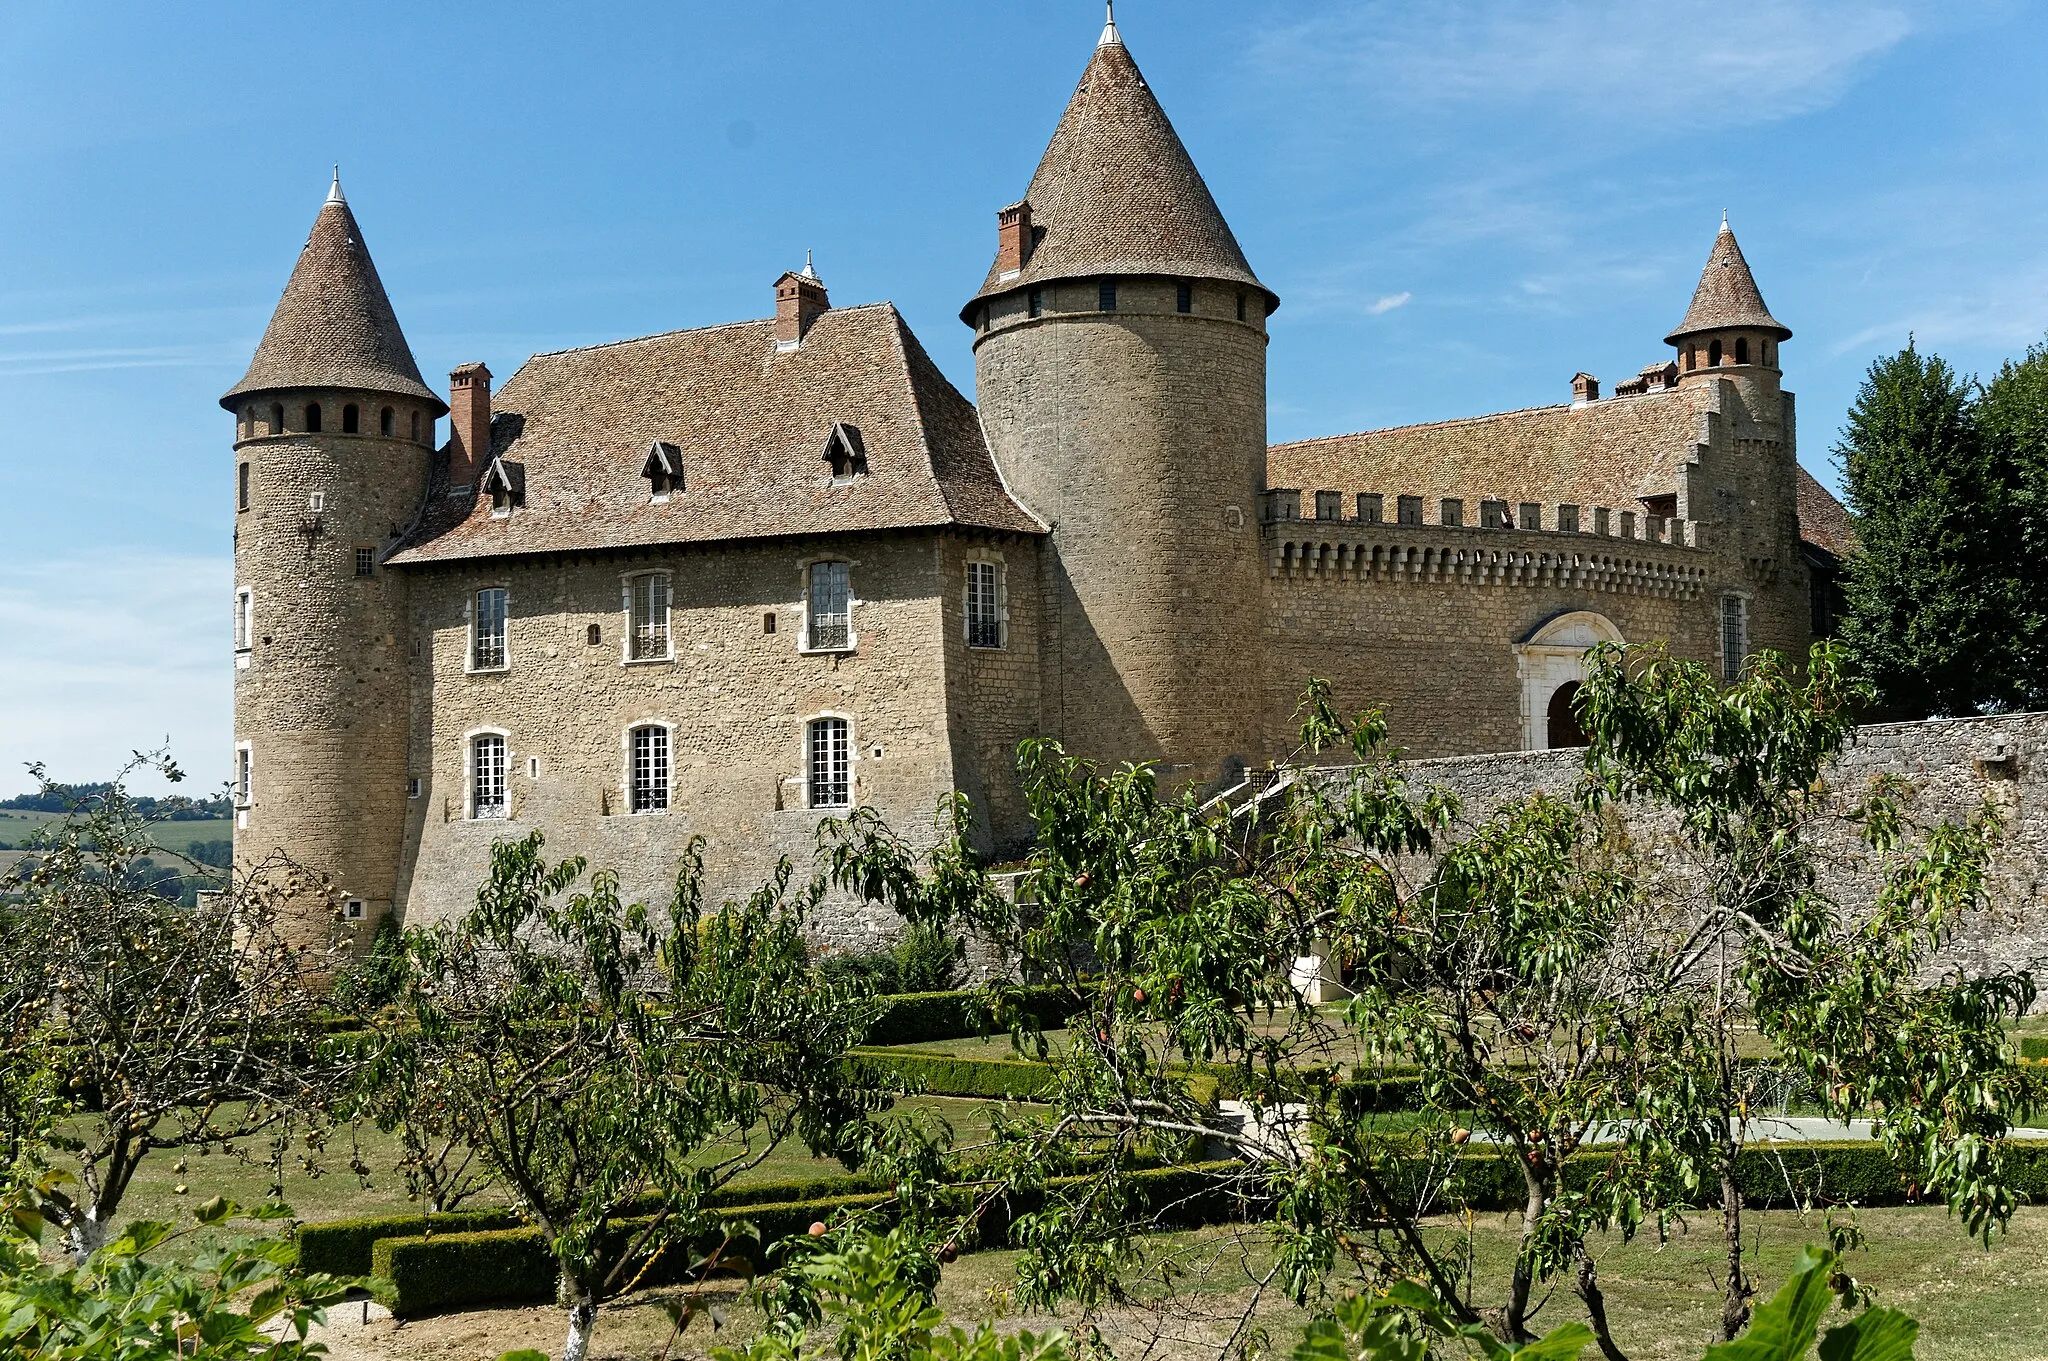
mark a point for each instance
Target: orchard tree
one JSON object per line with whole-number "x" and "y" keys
{"x": 608, "y": 1065}
{"x": 168, "y": 1027}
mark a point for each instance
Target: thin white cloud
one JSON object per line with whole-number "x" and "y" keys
{"x": 1620, "y": 63}
{"x": 108, "y": 655}
{"x": 1389, "y": 303}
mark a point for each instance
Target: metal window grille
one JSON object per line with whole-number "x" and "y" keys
{"x": 831, "y": 764}
{"x": 827, "y": 612}
{"x": 366, "y": 561}
{"x": 488, "y": 648}
{"x": 984, "y": 606}
{"x": 650, "y": 770}
{"x": 488, "y": 779}
{"x": 1734, "y": 635}
{"x": 650, "y": 616}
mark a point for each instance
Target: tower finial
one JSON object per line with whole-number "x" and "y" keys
{"x": 1110, "y": 37}
{"x": 1724, "y": 220}
{"x": 809, "y": 273}
{"x": 334, "y": 191}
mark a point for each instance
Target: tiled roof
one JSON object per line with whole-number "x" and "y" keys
{"x": 751, "y": 425}
{"x": 334, "y": 326}
{"x": 1823, "y": 521}
{"x": 1116, "y": 192}
{"x": 1727, "y": 295}
{"x": 1600, "y": 453}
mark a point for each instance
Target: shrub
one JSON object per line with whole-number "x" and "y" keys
{"x": 924, "y": 1017}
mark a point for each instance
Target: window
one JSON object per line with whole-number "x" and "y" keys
{"x": 830, "y": 759}
{"x": 1734, "y": 636}
{"x": 487, "y": 775}
{"x": 593, "y": 635}
{"x": 1451, "y": 511}
{"x": 242, "y": 487}
{"x": 387, "y": 421}
{"x": 1408, "y": 510}
{"x": 1034, "y": 302}
{"x": 1767, "y": 351}
{"x": 412, "y": 788}
{"x": 1714, "y": 354}
{"x": 1531, "y": 515}
{"x": 277, "y": 418}
{"x": 768, "y": 622}
{"x": 1329, "y": 505}
{"x": 244, "y": 776}
{"x": 647, "y": 604}
{"x": 1105, "y": 300}
{"x": 650, "y": 769}
{"x": 1692, "y": 358}
{"x": 354, "y": 910}
{"x": 663, "y": 469}
{"x": 984, "y": 604}
{"x": 827, "y": 608}
{"x": 415, "y": 426}
{"x": 1370, "y": 508}
{"x": 1240, "y": 304}
{"x": 846, "y": 453}
{"x": 351, "y": 420}
{"x": 487, "y": 630}
{"x": 1184, "y": 298}
{"x": 1567, "y": 519}
{"x": 1742, "y": 349}
{"x": 245, "y": 618}
{"x": 313, "y": 418}
{"x": 316, "y": 501}
{"x": 366, "y": 562}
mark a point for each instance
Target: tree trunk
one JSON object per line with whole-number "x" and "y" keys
{"x": 1596, "y": 1306}
{"x": 1515, "y": 1317}
{"x": 88, "y": 1234}
{"x": 582, "y": 1306}
{"x": 1735, "y": 1305}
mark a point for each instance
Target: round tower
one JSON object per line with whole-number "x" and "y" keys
{"x": 333, "y": 433}
{"x": 1728, "y": 332}
{"x": 1120, "y": 371}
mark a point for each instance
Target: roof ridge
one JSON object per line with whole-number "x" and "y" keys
{"x": 697, "y": 330}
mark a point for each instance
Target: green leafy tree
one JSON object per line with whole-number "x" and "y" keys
{"x": 607, "y": 1065}
{"x": 2012, "y": 420}
{"x": 169, "y": 1027}
{"x": 1932, "y": 606}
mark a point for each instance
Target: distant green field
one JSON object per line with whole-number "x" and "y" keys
{"x": 17, "y": 827}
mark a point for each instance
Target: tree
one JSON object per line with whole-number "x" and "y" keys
{"x": 609, "y": 1065}
{"x": 1932, "y": 610}
{"x": 2012, "y": 420}
{"x": 171, "y": 1027}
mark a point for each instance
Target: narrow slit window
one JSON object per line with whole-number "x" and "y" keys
{"x": 244, "y": 783}
{"x": 415, "y": 427}
{"x": 487, "y": 647}
{"x": 1105, "y": 299}
{"x": 242, "y": 487}
{"x": 487, "y": 776}
{"x": 1034, "y": 304}
{"x": 1184, "y": 298}
{"x": 277, "y": 418}
{"x": 828, "y": 613}
{"x": 831, "y": 763}
{"x": 984, "y": 605}
{"x": 387, "y": 422}
{"x": 245, "y": 618}
{"x": 648, "y": 604}
{"x": 650, "y": 769}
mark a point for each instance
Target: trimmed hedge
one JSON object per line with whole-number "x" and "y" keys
{"x": 922, "y": 1017}
{"x": 343, "y": 1247}
{"x": 2034, "y": 1046}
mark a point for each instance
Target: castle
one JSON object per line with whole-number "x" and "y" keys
{"x": 731, "y": 581}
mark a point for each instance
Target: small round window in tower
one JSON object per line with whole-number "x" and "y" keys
{"x": 351, "y": 420}
{"x": 387, "y": 422}
{"x": 1742, "y": 349}
{"x": 313, "y": 418}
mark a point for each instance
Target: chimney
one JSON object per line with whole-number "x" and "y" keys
{"x": 1013, "y": 238}
{"x": 1585, "y": 388}
{"x": 799, "y": 299}
{"x": 469, "y": 424}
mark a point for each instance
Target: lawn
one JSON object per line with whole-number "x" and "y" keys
{"x": 16, "y": 827}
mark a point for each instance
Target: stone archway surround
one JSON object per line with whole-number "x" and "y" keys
{"x": 1552, "y": 656}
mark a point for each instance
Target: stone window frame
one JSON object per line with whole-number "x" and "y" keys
{"x": 245, "y": 626}
{"x": 852, "y": 760}
{"x": 243, "y": 785}
{"x": 1746, "y": 602}
{"x": 626, "y": 580}
{"x": 626, "y": 735}
{"x": 803, "y": 608}
{"x": 469, "y": 747}
{"x": 469, "y": 619}
{"x": 988, "y": 557}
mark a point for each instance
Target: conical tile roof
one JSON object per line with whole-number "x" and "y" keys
{"x": 334, "y": 326}
{"x": 1117, "y": 193}
{"x": 1727, "y": 295}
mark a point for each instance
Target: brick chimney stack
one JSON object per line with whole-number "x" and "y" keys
{"x": 1013, "y": 238}
{"x": 799, "y": 300}
{"x": 469, "y": 424}
{"x": 1585, "y": 388}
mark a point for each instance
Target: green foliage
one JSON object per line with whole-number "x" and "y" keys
{"x": 2034, "y": 1046}
{"x": 2012, "y": 420}
{"x": 1936, "y": 613}
{"x": 128, "y": 1301}
{"x": 927, "y": 958}
{"x": 927, "y": 1017}
{"x": 377, "y": 979}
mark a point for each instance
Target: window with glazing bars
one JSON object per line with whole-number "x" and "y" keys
{"x": 831, "y": 762}
{"x": 487, "y": 776}
{"x": 984, "y": 605}
{"x": 487, "y": 634}
{"x": 242, "y": 782}
{"x": 825, "y": 613}
{"x": 650, "y": 769}
{"x": 366, "y": 562}
{"x": 1734, "y": 635}
{"x": 649, "y": 636}
{"x": 245, "y": 611}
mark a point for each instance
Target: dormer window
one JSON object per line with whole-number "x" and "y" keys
{"x": 846, "y": 454}
{"x": 505, "y": 483}
{"x": 663, "y": 470}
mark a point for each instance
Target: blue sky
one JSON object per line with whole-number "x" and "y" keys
{"x": 1459, "y": 204}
